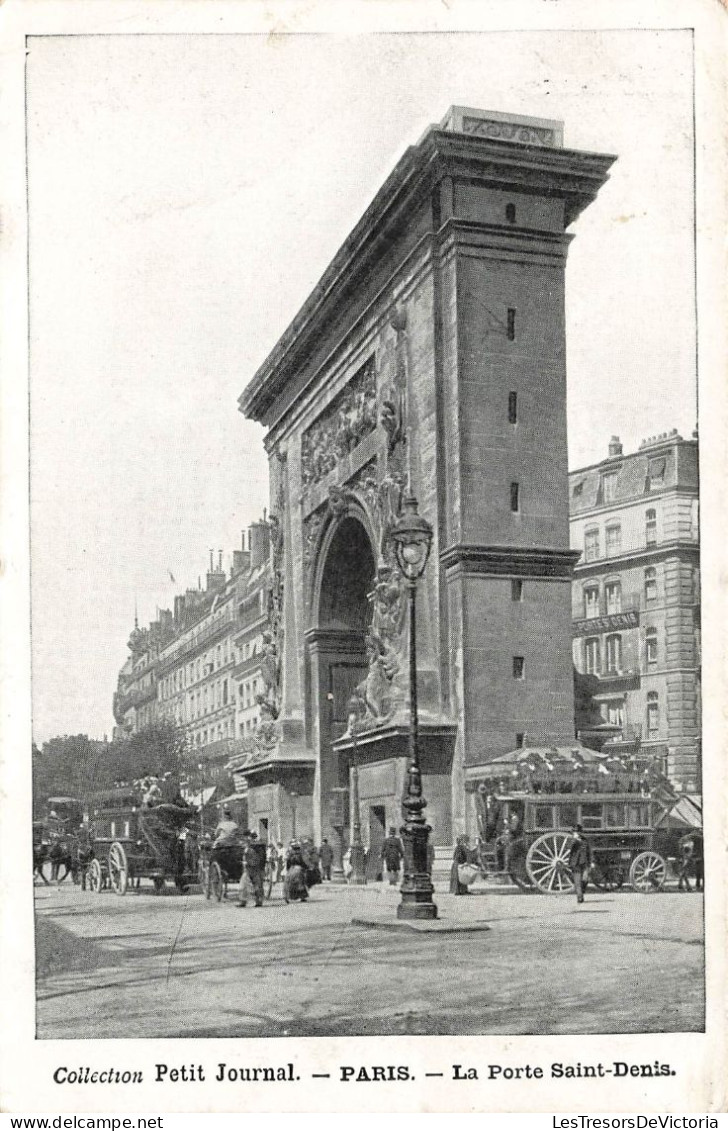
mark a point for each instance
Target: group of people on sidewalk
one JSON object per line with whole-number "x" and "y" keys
{"x": 299, "y": 867}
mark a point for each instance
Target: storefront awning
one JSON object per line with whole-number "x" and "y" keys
{"x": 200, "y": 799}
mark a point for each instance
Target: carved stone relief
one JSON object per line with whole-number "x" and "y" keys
{"x": 350, "y": 417}
{"x": 267, "y": 734}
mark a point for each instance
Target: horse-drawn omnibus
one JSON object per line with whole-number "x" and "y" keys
{"x": 529, "y": 803}
{"x": 132, "y": 842}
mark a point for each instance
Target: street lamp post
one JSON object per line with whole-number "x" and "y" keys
{"x": 412, "y": 537}
{"x": 293, "y": 796}
{"x": 201, "y": 768}
{"x": 358, "y": 869}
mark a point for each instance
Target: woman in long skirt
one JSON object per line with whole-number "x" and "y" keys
{"x": 460, "y": 856}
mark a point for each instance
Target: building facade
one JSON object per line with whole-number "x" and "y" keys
{"x": 636, "y": 599}
{"x": 430, "y": 359}
{"x": 200, "y": 665}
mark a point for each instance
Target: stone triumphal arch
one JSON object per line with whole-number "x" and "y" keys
{"x": 431, "y": 355}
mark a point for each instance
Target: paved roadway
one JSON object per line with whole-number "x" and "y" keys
{"x": 179, "y": 966}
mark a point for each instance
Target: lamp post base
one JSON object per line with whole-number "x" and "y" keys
{"x": 417, "y": 889}
{"x": 416, "y": 902}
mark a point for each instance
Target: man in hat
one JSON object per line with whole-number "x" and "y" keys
{"x": 326, "y": 856}
{"x": 254, "y": 861}
{"x": 392, "y": 853}
{"x": 580, "y": 862}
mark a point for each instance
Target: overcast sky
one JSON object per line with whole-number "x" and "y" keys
{"x": 186, "y": 193}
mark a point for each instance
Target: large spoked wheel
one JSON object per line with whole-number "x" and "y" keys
{"x": 215, "y": 886}
{"x": 547, "y": 863}
{"x": 95, "y": 879}
{"x": 647, "y": 872}
{"x": 118, "y": 868}
{"x": 608, "y": 877}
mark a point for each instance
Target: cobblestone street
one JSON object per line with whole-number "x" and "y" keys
{"x": 179, "y": 966}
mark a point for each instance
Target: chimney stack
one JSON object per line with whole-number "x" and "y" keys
{"x": 615, "y": 446}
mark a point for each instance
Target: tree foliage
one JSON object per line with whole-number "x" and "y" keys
{"x": 76, "y": 766}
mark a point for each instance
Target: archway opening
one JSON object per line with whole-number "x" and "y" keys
{"x": 347, "y": 579}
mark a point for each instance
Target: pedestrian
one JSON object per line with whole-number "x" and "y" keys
{"x": 327, "y": 858}
{"x": 687, "y": 853}
{"x": 280, "y": 861}
{"x": 294, "y": 885}
{"x": 460, "y": 856}
{"x": 580, "y": 862}
{"x": 698, "y": 861}
{"x": 392, "y": 853}
{"x": 254, "y": 868}
{"x": 226, "y": 829}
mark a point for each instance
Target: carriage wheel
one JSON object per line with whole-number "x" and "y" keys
{"x": 95, "y": 879}
{"x": 158, "y": 884}
{"x": 608, "y": 877}
{"x": 118, "y": 868}
{"x": 647, "y": 872}
{"x": 547, "y": 863}
{"x": 215, "y": 885}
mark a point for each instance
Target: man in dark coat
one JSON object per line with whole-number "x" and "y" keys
{"x": 254, "y": 859}
{"x": 327, "y": 857}
{"x": 392, "y": 853}
{"x": 580, "y": 862}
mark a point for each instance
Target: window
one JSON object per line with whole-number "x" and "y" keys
{"x": 650, "y": 585}
{"x": 651, "y": 527}
{"x": 614, "y": 540}
{"x": 511, "y": 324}
{"x": 568, "y": 815}
{"x": 591, "y": 544}
{"x": 591, "y": 655}
{"x": 653, "y": 714}
{"x": 613, "y": 712}
{"x": 651, "y": 647}
{"x": 511, "y": 213}
{"x": 516, "y": 590}
{"x": 515, "y": 501}
{"x": 591, "y": 601}
{"x": 513, "y": 408}
{"x": 591, "y": 815}
{"x": 519, "y": 665}
{"x": 544, "y": 817}
{"x": 609, "y": 487}
{"x": 614, "y": 654}
{"x": 519, "y": 740}
{"x": 656, "y": 471}
{"x": 613, "y": 594}
{"x": 638, "y": 814}
{"x": 577, "y": 489}
{"x": 614, "y": 816}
